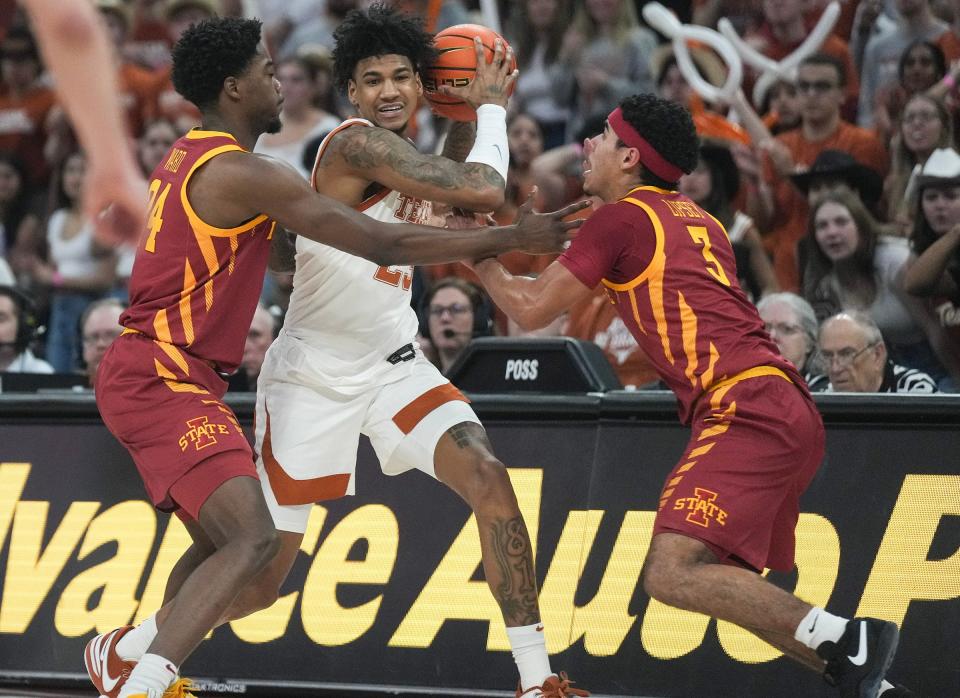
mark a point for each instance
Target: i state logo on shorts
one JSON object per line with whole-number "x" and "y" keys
{"x": 201, "y": 433}
{"x": 702, "y": 507}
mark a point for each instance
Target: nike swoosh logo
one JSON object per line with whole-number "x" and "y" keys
{"x": 814, "y": 625}
{"x": 861, "y": 657}
{"x": 103, "y": 658}
{"x": 499, "y": 152}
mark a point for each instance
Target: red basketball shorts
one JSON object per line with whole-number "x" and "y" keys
{"x": 164, "y": 406}
{"x": 756, "y": 444}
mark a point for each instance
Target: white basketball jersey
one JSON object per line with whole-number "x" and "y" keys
{"x": 351, "y": 312}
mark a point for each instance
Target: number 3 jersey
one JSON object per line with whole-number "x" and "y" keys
{"x": 193, "y": 285}
{"x": 350, "y": 312}
{"x": 668, "y": 267}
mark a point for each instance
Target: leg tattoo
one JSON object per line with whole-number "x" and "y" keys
{"x": 469, "y": 435}
{"x": 504, "y": 540}
{"x": 516, "y": 592}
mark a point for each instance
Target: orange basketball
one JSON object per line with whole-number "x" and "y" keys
{"x": 456, "y": 66}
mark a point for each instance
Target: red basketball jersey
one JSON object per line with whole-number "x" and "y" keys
{"x": 669, "y": 268}
{"x": 194, "y": 285}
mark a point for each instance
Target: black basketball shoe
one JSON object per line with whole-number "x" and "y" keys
{"x": 858, "y": 661}
{"x": 899, "y": 691}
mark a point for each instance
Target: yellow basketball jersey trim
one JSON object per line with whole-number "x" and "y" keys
{"x": 650, "y": 187}
{"x": 688, "y": 332}
{"x": 213, "y": 265}
{"x": 199, "y": 133}
{"x": 161, "y": 327}
{"x": 652, "y": 275}
{"x": 186, "y": 312}
{"x": 175, "y": 356}
{"x": 658, "y": 262}
{"x": 755, "y": 372}
{"x": 198, "y": 224}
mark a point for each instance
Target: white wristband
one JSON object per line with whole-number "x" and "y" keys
{"x": 490, "y": 146}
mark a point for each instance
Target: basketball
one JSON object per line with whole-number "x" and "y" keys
{"x": 456, "y": 65}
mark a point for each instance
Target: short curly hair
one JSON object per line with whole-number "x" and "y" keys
{"x": 668, "y": 128}
{"x": 211, "y": 51}
{"x": 379, "y": 31}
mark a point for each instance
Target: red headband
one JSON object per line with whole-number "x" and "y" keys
{"x": 650, "y": 158}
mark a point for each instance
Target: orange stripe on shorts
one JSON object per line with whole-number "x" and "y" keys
{"x": 288, "y": 490}
{"x": 411, "y": 415}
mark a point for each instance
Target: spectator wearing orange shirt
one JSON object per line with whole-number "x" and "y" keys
{"x": 820, "y": 82}
{"x": 596, "y": 320}
{"x": 780, "y": 107}
{"x": 845, "y": 22}
{"x": 180, "y": 15}
{"x": 25, "y": 104}
{"x": 148, "y": 41}
{"x": 742, "y": 13}
{"x": 949, "y": 41}
{"x": 137, "y": 86}
{"x": 784, "y": 29}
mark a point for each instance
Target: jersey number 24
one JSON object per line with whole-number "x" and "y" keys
{"x": 155, "y": 219}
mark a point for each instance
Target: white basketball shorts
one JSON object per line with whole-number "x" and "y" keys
{"x": 307, "y": 436}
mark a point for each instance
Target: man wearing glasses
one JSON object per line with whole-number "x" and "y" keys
{"x": 821, "y": 80}
{"x": 99, "y": 326}
{"x": 855, "y": 358}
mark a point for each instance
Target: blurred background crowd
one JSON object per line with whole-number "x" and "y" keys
{"x": 839, "y": 184}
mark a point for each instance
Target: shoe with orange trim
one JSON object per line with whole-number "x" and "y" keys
{"x": 553, "y": 687}
{"x": 106, "y": 669}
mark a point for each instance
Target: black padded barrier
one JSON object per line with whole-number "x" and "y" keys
{"x": 388, "y": 592}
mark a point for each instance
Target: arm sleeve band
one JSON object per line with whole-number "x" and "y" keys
{"x": 490, "y": 146}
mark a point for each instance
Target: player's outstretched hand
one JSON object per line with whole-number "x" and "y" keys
{"x": 115, "y": 199}
{"x": 544, "y": 233}
{"x": 492, "y": 82}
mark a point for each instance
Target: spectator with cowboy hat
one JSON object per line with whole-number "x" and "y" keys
{"x": 834, "y": 169}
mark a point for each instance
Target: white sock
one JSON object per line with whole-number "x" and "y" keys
{"x": 818, "y": 627}
{"x": 135, "y": 643}
{"x": 152, "y": 675}
{"x": 885, "y": 686}
{"x": 529, "y": 647}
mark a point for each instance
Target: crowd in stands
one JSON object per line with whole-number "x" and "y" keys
{"x": 839, "y": 187}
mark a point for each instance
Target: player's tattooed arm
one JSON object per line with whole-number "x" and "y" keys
{"x": 283, "y": 250}
{"x": 382, "y": 156}
{"x": 459, "y": 140}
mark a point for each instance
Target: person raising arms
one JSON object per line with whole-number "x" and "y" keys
{"x": 352, "y": 327}
{"x": 213, "y": 217}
